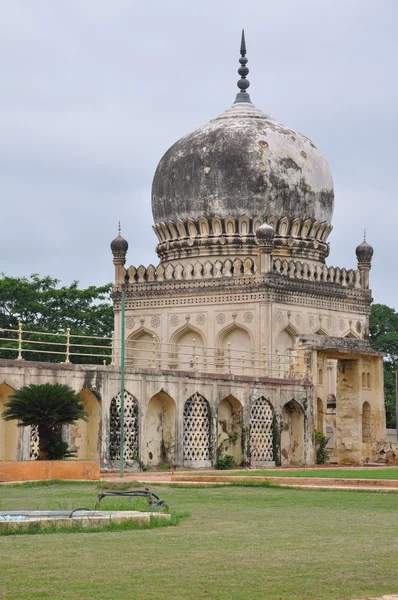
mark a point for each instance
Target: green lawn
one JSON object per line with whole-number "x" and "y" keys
{"x": 239, "y": 543}
{"x": 379, "y": 473}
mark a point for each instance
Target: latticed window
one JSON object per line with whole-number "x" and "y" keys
{"x": 196, "y": 429}
{"x": 261, "y": 416}
{"x": 130, "y": 427}
{"x": 34, "y": 442}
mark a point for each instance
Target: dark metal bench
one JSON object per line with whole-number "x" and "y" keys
{"x": 155, "y": 504}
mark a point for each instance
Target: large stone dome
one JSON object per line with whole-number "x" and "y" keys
{"x": 243, "y": 163}
{"x": 214, "y": 187}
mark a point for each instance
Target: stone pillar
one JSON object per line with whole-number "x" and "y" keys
{"x": 348, "y": 445}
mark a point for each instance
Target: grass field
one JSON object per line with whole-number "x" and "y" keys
{"x": 239, "y": 543}
{"x": 378, "y": 473}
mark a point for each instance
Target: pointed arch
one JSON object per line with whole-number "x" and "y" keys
{"x": 230, "y": 226}
{"x": 187, "y": 349}
{"x": 196, "y": 432}
{"x": 160, "y": 430}
{"x": 261, "y": 434}
{"x": 367, "y": 434}
{"x": 234, "y": 347}
{"x": 244, "y": 226}
{"x": 292, "y": 434}
{"x": 85, "y": 435}
{"x": 284, "y": 348}
{"x": 130, "y": 427}
{"x": 229, "y": 428}
{"x": 141, "y": 348}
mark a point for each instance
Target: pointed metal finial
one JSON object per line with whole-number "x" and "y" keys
{"x": 243, "y": 44}
{"x": 364, "y": 235}
{"x": 119, "y": 229}
{"x": 243, "y": 83}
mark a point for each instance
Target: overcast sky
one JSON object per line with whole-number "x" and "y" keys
{"x": 93, "y": 92}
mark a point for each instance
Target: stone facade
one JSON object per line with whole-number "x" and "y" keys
{"x": 241, "y": 340}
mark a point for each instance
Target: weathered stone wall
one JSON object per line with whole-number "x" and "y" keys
{"x": 103, "y": 383}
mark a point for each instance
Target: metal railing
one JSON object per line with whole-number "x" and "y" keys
{"x": 23, "y": 344}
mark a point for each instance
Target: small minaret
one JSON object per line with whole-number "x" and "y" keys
{"x": 243, "y": 83}
{"x": 119, "y": 247}
{"x": 265, "y": 240}
{"x": 364, "y": 254}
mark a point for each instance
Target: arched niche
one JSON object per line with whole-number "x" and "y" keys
{"x": 85, "y": 434}
{"x": 261, "y": 432}
{"x": 292, "y": 434}
{"x": 130, "y": 447}
{"x": 188, "y": 350}
{"x": 160, "y": 431}
{"x": 9, "y": 430}
{"x": 196, "y": 432}
{"x": 235, "y": 348}
{"x": 319, "y": 415}
{"x": 284, "y": 347}
{"x": 229, "y": 428}
{"x": 367, "y": 434}
{"x": 141, "y": 350}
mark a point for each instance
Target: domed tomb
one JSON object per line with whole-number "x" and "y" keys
{"x": 216, "y": 185}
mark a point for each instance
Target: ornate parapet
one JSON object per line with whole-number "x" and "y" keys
{"x": 193, "y": 271}
{"x": 296, "y": 269}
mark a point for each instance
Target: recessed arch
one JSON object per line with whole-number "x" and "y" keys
{"x": 188, "y": 349}
{"x": 141, "y": 349}
{"x": 367, "y": 434}
{"x": 85, "y": 435}
{"x": 292, "y": 434}
{"x": 9, "y": 430}
{"x": 234, "y": 347}
{"x": 196, "y": 432}
{"x": 229, "y": 428}
{"x": 130, "y": 448}
{"x": 160, "y": 430}
{"x": 261, "y": 432}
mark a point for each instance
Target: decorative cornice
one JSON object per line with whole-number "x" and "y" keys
{"x": 209, "y": 236}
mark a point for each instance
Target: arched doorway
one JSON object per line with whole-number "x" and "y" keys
{"x": 196, "y": 436}
{"x": 292, "y": 434}
{"x": 85, "y": 434}
{"x": 160, "y": 431}
{"x": 229, "y": 428}
{"x": 9, "y": 430}
{"x": 130, "y": 450}
{"x": 261, "y": 435}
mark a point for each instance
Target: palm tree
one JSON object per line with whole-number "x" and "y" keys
{"x": 48, "y": 406}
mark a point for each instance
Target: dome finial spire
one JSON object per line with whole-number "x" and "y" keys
{"x": 119, "y": 229}
{"x": 243, "y": 83}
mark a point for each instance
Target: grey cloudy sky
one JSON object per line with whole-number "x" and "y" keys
{"x": 93, "y": 92}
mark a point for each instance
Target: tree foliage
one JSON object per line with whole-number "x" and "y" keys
{"x": 47, "y": 406}
{"x": 42, "y": 304}
{"x": 383, "y": 335}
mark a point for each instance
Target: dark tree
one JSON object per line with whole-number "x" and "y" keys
{"x": 47, "y": 406}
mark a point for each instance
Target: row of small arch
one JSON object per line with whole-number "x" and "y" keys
{"x": 244, "y": 226}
